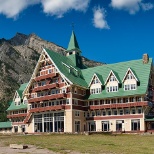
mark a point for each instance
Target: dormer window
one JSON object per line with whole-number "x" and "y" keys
{"x": 112, "y": 78}
{"x": 130, "y": 80}
{"x": 112, "y": 89}
{"x": 95, "y": 81}
{"x": 129, "y": 76}
{"x": 130, "y": 87}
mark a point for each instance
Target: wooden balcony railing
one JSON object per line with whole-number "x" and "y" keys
{"x": 17, "y": 115}
{"x": 48, "y": 108}
{"x": 42, "y": 77}
{"x": 47, "y": 97}
{"x": 122, "y": 105}
{"x": 27, "y": 117}
{"x": 48, "y": 86}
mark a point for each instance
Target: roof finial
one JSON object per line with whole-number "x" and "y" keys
{"x": 73, "y": 26}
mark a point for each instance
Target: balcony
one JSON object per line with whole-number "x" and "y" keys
{"x": 17, "y": 115}
{"x": 122, "y": 105}
{"x": 51, "y": 75}
{"x": 48, "y": 108}
{"x": 47, "y": 97}
{"x": 45, "y": 87}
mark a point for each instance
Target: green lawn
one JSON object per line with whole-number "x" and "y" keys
{"x": 119, "y": 144}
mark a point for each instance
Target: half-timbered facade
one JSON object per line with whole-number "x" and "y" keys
{"x": 63, "y": 95}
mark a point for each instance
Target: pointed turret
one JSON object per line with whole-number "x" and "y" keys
{"x": 73, "y": 51}
{"x": 73, "y": 44}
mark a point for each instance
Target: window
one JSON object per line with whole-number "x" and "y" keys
{"x": 139, "y": 110}
{"x": 133, "y": 111}
{"x": 63, "y": 90}
{"x": 121, "y": 112}
{"x": 109, "y": 112}
{"x": 112, "y": 78}
{"x": 62, "y": 80}
{"x": 93, "y": 114}
{"x": 112, "y": 89}
{"x": 19, "y": 103}
{"x": 127, "y": 111}
{"x": 77, "y": 113}
{"x": 129, "y": 76}
{"x": 95, "y": 91}
{"x": 25, "y": 101}
{"x": 67, "y": 101}
{"x": 77, "y": 126}
{"x": 50, "y": 71}
{"x": 104, "y": 113}
{"x": 135, "y": 124}
{"x": 130, "y": 87}
{"x": 95, "y": 80}
{"x": 115, "y": 112}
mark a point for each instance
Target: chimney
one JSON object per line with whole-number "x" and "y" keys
{"x": 145, "y": 58}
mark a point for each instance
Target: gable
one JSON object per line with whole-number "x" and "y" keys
{"x": 96, "y": 79}
{"x": 111, "y": 77}
{"x": 130, "y": 75}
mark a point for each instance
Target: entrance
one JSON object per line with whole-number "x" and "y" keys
{"x": 119, "y": 125}
{"x": 23, "y": 128}
{"x": 92, "y": 126}
{"x": 105, "y": 126}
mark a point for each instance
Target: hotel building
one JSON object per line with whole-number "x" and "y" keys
{"x": 63, "y": 95}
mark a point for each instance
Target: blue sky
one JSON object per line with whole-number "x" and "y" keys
{"x": 107, "y": 30}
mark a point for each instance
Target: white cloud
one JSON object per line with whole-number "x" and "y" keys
{"x": 132, "y": 6}
{"x": 11, "y": 8}
{"x": 99, "y": 18}
{"x": 147, "y": 6}
{"x": 60, "y": 7}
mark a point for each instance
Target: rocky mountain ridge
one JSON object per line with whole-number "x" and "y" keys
{"x": 18, "y": 57}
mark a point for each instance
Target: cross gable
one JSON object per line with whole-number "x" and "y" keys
{"x": 95, "y": 79}
{"x": 111, "y": 77}
{"x": 130, "y": 75}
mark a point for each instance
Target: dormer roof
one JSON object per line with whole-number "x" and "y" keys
{"x": 115, "y": 75}
{"x": 133, "y": 73}
{"x": 100, "y": 78}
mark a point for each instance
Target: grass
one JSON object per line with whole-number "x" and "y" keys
{"x": 108, "y": 144}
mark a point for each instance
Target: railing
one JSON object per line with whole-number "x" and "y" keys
{"x": 48, "y": 86}
{"x": 27, "y": 117}
{"x": 122, "y": 105}
{"x": 51, "y": 75}
{"x": 17, "y": 115}
{"x": 48, "y": 108}
{"x": 47, "y": 97}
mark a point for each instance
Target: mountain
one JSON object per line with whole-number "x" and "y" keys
{"x": 18, "y": 57}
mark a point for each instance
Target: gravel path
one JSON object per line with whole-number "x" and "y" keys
{"x": 30, "y": 150}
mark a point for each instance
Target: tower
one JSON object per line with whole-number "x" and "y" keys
{"x": 73, "y": 51}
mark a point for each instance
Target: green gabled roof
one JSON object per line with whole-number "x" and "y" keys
{"x": 142, "y": 71}
{"x": 100, "y": 78}
{"x": 73, "y": 44}
{"x": 7, "y": 124}
{"x": 13, "y": 107}
{"x": 21, "y": 89}
{"x": 59, "y": 59}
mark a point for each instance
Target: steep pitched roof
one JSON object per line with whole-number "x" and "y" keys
{"x": 6, "y": 124}
{"x": 73, "y": 44}
{"x": 13, "y": 107}
{"x": 99, "y": 78}
{"x": 59, "y": 61}
{"x": 142, "y": 71}
{"x": 135, "y": 76}
{"x": 21, "y": 89}
{"x": 115, "y": 74}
